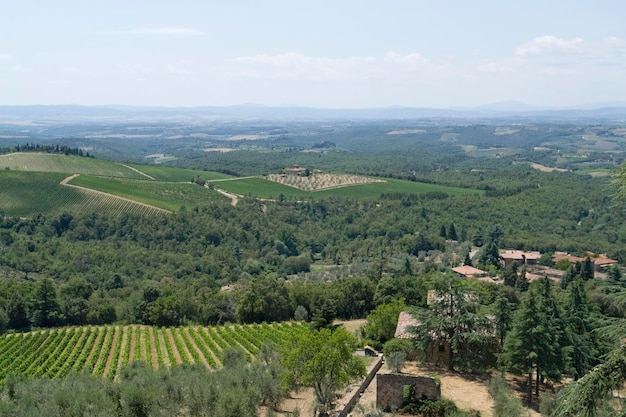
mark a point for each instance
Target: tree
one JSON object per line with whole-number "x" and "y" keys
{"x": 382, "y": 322}
{"x": 452, "y": 319}
{"x": 583, "y": 397}
{"x": 509, "y": 274}
{"x": 324, "y": 360}
{"x": 452, "y": 232}
{"x": 534, "y": 346}
{"x": 16, "y": 312}
{"x": 584, "y": 352}
{"x": 503, "y": 317}
{"x": 46, "y": 311}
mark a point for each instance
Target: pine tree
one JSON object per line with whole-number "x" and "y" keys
{"x": 534, "y": 345}
{"x": 503, "y": 316}
{"x": 452, "y": 232}
{"x": 584, "y": 352}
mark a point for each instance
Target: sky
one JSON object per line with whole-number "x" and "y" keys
{"x": 331, "y": 54}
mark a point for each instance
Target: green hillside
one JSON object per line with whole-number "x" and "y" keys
{"x": 166, "y": 195}
{"x": 30, "y": 184}
{"x": 65, "y": 163}
{"x": 258, "y": 187}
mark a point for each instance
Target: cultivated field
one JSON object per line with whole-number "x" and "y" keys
{"x": 166, "y": 195}
{"x": 318, "y": 182}
{"x": 32, "y": 193}
{"x": 258, "y": 187}
{"x": 104, "y": 350}
{"x": 30, "y": 184}
{"x": 65, "y": 163}
{"x": 161, "y": 173}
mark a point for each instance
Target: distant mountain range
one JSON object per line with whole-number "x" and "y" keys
{"x": 615, "y": 112}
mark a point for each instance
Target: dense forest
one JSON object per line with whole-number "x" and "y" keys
{"x": 321, "y": 259}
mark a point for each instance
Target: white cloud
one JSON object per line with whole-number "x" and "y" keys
{"x": 71, "y": 70}
{"x": 550, "y": 45}
{"x": 164, "y": 31}
{"x": 21, "y": 69}
{"x": 293, "y": 65}
{"x": 5, "y": 57}
{"x": 135, "y": 69}
{"x": 172, "y": 69}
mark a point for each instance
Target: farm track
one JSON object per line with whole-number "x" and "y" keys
{"x": 138, "y": 172}
{"x": 66, "y": 183}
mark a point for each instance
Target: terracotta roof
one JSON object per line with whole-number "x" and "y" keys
{"x": 518, "y": 254}
{"x": 405, "y": 322}
{"x": 468, "y": 271}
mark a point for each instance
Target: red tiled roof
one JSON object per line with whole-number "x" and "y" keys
{"x": 468, "y": 271}
{"x": 405, "y": 322}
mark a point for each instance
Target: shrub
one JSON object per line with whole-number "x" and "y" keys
{"x": 399, "y": 345}
{"x": 506, "y": 404}
{"x": 395, "y": 361}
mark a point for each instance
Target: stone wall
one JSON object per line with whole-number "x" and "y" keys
{"x": 354, "y": 396}
{"x": 390, "y": 389}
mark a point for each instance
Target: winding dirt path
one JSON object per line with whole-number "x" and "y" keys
{"x": 66, "y": 183}
{"x": 138, "y": 171}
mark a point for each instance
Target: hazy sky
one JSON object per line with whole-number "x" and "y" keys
{"x": 315, "y": 53}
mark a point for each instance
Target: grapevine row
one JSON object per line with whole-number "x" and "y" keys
{"x": 105, "y": 350}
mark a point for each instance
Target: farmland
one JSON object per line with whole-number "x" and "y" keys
{"x": 31, "y": 185}
{"x": 259, "y": 187}
{"x": 105, "y": 350}
{"x": 31, "y": 193}
{"x": 166, "y": 195}
{"x": 68, "y": 164}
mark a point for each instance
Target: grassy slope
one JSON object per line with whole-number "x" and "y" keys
{"x": 168, "y": 195}
{"x": 67, "y": 164}
{"x": 267, "y": 189}
{"x": 30, "y": 193}
{"x": 160, "y": 173}
{"x": 30, "y": 184}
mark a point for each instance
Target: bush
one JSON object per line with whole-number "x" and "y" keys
{"x": 399, "y": 345}
{"x": 506, "y": 404}
{"x": 395, "y": 361}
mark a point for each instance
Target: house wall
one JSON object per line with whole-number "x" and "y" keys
{"x": 390, "y": 389}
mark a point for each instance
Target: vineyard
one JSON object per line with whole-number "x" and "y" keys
{"x": 30, "y": 193}
{"x": 105, "y": 350}
{"x": 36, "y": 162}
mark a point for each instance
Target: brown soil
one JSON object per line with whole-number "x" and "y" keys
{"x": 164, "y": 355}
{"x": 96, "y": 345}
{"x": 185, "y": 351}
{"x": 170, "y": 340}
{"x": 468, "y": 392}
{"x": 133, "y": 343}
{"x": 107, "y": 365}
{"x": 153, "y": 350}
{"x": 196, "y": 348}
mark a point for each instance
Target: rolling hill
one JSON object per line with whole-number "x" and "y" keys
{"x": 37, "y": 183}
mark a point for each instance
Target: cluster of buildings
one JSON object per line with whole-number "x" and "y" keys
{"x": 533, "y": 269}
